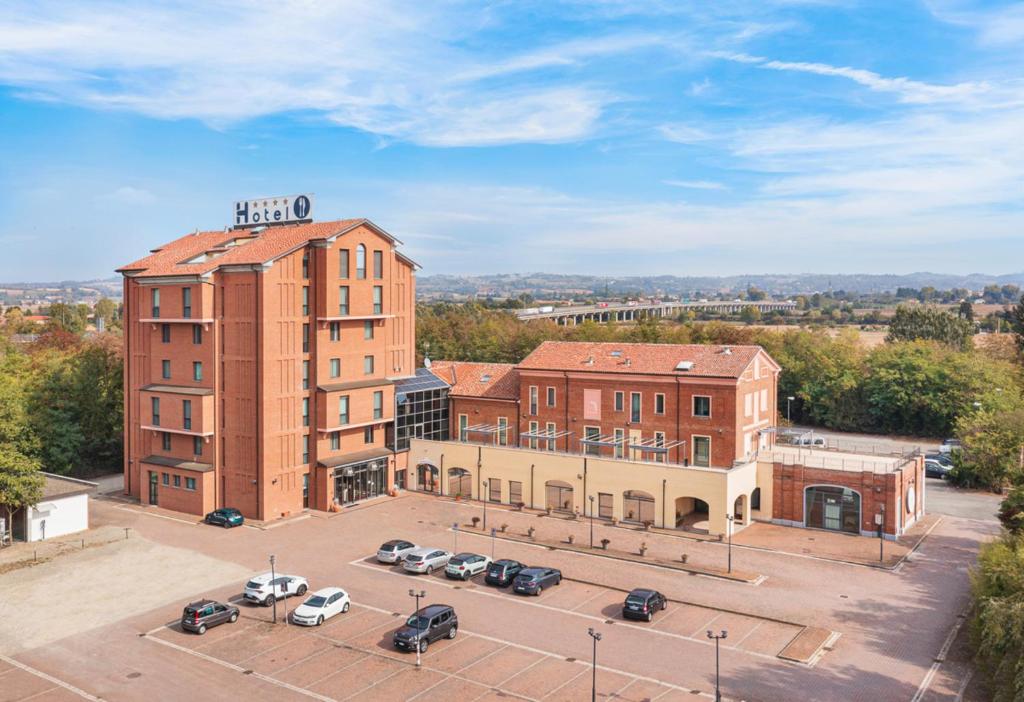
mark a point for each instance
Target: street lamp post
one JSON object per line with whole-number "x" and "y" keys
{"x": 717, "y": 638}
{"x": 418, "y": 594}
{"x": 881, "y": 533}
{"x": 789, "y": 417}
{"x": 729, "y": 520}
{"x": 484, "y": 498}
{"x": 273, "y": 585}
{"x": 455, "y": 532}
{"x": 494, "y": 534}
{"x": 591, "y": 500}
{"x": 596, "y": 636}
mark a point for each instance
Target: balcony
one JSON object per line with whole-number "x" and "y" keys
{"x": 171, "y": 417}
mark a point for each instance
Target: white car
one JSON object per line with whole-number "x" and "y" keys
{"x": 812, "y": 440}
{"x": 425, "y": 560}
{"x": 395, "y": 551}
{"x": 322, "y": 604}
{"x": 950, "y": 445}
{"x": 466, "y": 565}
{"x": 263, "y": 589}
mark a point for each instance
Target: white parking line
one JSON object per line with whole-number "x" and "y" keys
{"x": 745, "y": 636}
{"x": 589, "y": 600}
{"x": 573, "y": 678}
{"x": 49, "y": 678}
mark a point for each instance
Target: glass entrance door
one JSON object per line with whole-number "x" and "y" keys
{"x": 361, "y": 482}
{"x": 152, "y": 488}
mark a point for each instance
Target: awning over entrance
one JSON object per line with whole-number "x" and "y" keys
{"x": 178, "y": 463}
{"x": 350, "y": 459}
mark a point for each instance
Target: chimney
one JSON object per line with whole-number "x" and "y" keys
{"x": 726, "y": 351}
{"x": 628, "y": 363}
{"x": 590, "y": 360}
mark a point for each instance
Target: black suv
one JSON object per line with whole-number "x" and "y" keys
{"x": 503, "y": 572}
{"x": 532, "y": 581}
{"x": 642, "y": 604}
{"x": 200, "y": 616}
{"x": 431, "y": 623}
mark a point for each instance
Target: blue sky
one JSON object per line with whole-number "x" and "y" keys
{"x": 613, "y": 137}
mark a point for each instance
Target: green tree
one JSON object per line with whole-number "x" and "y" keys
{"x": 914, "y": 323}
{"x": 1016, "y": 318}
{"x": 21, "y": 483}
{"x": 993, "y": 448}
{"x": 750, "y": 315}
{"x": 105, "y": 309}
{"x": 966, "y": 310}
{"x": 997, "y": 625}
{"x": 1011, "y": 511}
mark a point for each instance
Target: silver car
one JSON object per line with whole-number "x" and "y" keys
{"x": 426, "y": 560}
{"x": 394, "y": 551}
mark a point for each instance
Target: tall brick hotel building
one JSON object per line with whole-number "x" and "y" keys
{"x": 272, "y": 368}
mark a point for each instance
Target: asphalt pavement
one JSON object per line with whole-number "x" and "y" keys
{"x": 943, "y": 498}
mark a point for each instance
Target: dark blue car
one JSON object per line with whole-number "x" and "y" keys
{"x": 226, "y": 517}
{"x": 532, "y": 581}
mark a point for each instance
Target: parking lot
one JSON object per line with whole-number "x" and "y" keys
{"x": 881, "y": 630}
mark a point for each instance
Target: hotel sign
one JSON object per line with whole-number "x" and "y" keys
{"x": 274, "y": 210}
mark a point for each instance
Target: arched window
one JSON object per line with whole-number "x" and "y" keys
{"x": 361, "y": 262}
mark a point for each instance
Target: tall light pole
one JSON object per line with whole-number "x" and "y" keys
{"x": 596, "y": 636}
{"x": 729, "y": 520}
{"x": 881, "y": 533}
{"x": 590, "y": 498}
{"x": 455, "y": 532}
{"x": 418, "y": 594}
{"x": 273, "y": 585}
{"x": 494, "y": 534}
{"x": 717, "y": 638}
{"x": 789, "y": 417}
{"x": 484, "y": 497}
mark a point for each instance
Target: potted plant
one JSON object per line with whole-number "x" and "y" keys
{"x": 683, "y": 559}
{"x": 571, "y": 539}
{"x": 643, "y": 547}
{"x": 648, "y": 524}
{"x": 630, "y": 515}
{"x": 604, "y": 544}
{"x": 529, "y": 532}
{"x": 503, "y": 528}
{"x": 476, "y": 521}
{"x": 519, "y": 506}
{"x": 458, "y": 497}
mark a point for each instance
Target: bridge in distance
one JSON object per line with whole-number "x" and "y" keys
{"x": 626, "y": 312}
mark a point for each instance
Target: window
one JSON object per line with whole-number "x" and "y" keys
{"x": 702, "y": 451}
{"x": 605, "y": 505}
{"x": 343, "y": 263}
{"x": 533, "y": 399}
{"x": 305, "y": 265}
{"x": 335, "y": 440}
{"x": 305, "y": 300}
{"x": 515, "y": 492}
{"x": 197, "y": 370}
{"x": 165, "y": 333}
{"x": 305, "y": 338}
{"x": 620, "y": 399}
{"x": 659, "y": 403}
{"x": 343, "y": 409}
{"x": 634, "y": 407}
{"x": 165, "y": 369}
{"x": 190, "y": 484}
{"x": 503, "y": 431}
{"x": 305, "y": 448}
{"x": 701, "y": 406}
{"x": 305, "y": 411}
{"x": 378, "y": 265}
{"x": 755, "y": 499}
{"x": 494, "y": 490}
{"x": 166, "y": 479}
{"x": 378, "y": 404}
{"x": 177, "y": 481}
{"x": 197, "y": 446}
{"x": 155, "y": 405}
{"x": 335, "y": 367}
{"x": 368, "y": 435}
{"x": 186, "y": 303}
{"x": 197, "y": 333}
{"x": 165, "y": 438}
{"x": 620, "y": 437}
{"x": 747, "y": 405}
{"x": 186, "y": 413}
{"x": 360, "y": 262}
{"x": 591, "y": 434}
{"x": 550, "y": 429}
{"x": 343, "y": 300}
{"x": 335, "y": 331}
{"x": 534, "y": 428}
{"x": 378, "y": 297}
{"x": 659, "y": 440}
{"x": 764, "y": 400}
{"x": 551, "y": 397}
{"x": 463, "y": 423}
{"x": 154, "y": 297}
{"x": 367, "y": 365}
{"x": 305, "y": 375}
{"x": 368, "y": 329}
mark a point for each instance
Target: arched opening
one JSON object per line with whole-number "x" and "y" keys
{"x": 558, "y": 496}
{"x": 832, "y": 507}
{"x": 692, "y": 514}
{"x": 460, "y": 482}
{"x": 739, "y": 511}
{"x": 360, "y": 262}
{"x": 755, "y": 500}
{"x": 637, "y": 506}
{"x": 427, "y": 477}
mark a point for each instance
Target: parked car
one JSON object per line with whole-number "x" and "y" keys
{"x": 502, "y": 572}
{"x": 465, "y": 565}
{"x": 226, "y": 517}
{"x": 934, "y": 468}
{"x": 263, "y": 589}
{"x": 532, "y": 581}
{"x": 200, "y": 616}
{"x": 425, "y": 560}
{"x": 811, "y": 440}
{"x": 429, "y": 624}
{"x": 322, "y": 604}
{"x": 642, "y": 604}
{"x": 950, "y": 445}
{"x": 394, "y": 551}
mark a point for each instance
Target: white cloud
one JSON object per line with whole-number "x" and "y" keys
{"x": 132, "y": 196}
{"x": 696, "y": 184}
{"x": 684, "y": 133}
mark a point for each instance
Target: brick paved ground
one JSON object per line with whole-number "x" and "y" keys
{"x": 891, "y": 624}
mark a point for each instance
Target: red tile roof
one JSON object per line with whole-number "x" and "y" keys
{"x": 255, "y": 247}
{"x": 496, "y": 381}
{"x": 662, "y": 359}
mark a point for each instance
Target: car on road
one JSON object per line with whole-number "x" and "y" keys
{"x": 532, "y": 581}
{"x": 201, "y": 615}
{"x": 265, "y": 588}
{"x": 502, "y": 572}
{"x": 950, "y": 445}
{"x": 642, "y": 603}
{"x": 394, "y": 551}
{"x": 465, "y": 565}
{"x": 937, "y": 466}
{"x": 426, "y": 560}
{"x": 429, "y": 624}
{"x": 811, "y": 440}
{"x": 321, "y": 605}
{"x": 226, "y": 517}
